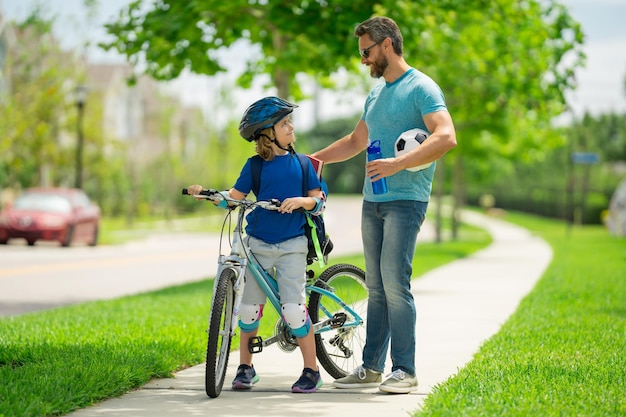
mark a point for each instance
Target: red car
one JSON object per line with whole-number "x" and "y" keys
{"x": 64, "y": 215}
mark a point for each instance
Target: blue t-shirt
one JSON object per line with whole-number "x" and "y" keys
{"x": 281, "y": 178}
{"x": 391, "y": 109}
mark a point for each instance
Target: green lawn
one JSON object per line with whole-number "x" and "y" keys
{"x": 563, "y": 352}
{"x": 53, "y": 362}
{"x": 119, "y": 230}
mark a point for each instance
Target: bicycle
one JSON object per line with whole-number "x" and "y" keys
{"x": 337, "y": 303}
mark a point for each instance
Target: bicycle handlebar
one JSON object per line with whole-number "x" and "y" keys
{"x": 215, "y": 195}
{"x": 206, "y": 193}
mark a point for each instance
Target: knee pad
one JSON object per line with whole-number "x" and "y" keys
{"x": 297, "y": 318}
{"x": 249, "y": 316}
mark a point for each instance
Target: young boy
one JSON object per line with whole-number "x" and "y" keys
{"x": 276, "y": 238}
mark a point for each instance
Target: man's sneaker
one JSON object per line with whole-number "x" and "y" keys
{"x": 359, "y": 378}
{"x": 399, "y": 382}
{"x": 246, "y": 377}
{"x": 308, "y": 382}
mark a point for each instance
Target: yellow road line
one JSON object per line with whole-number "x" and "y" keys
{"x": 102, "y": 263}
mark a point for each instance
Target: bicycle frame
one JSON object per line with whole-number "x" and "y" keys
{"x": 238, "y": 262}
{"x": 333, "y": 299}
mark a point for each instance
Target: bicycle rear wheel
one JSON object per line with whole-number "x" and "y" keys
{"x": 220, "y": 336}
{"x": 340, "y": 350}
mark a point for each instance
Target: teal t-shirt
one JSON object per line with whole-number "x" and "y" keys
{"x": 391, "y": 109}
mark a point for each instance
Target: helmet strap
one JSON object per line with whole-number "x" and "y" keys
{"x": 263, "y": 134}
{"x": 289, "y": 148}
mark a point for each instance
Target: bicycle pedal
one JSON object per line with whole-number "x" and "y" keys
{"x": 255, "y": 344}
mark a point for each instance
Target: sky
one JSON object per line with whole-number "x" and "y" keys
{"x": 601, "y": 85}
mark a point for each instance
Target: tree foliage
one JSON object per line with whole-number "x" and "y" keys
{"x": 35, "y": 108}
{"x": 504, "y": 68}
{"x": 604, "y": 134}
{"x": 289, "y": 37}
{"x": 558, "y": 187}
{"x": 500, "y": 63}
{"x": 344, "y": 178}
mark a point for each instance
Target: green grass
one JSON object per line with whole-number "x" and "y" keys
{"x": 53, "y": 362}
{"x": 118, "y": 230}
{"x": 562, "y": 353}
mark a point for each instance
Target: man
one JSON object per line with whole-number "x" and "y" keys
{"x": 390, "y": 223}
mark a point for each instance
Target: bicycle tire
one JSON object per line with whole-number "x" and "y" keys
{"x": 220, "y": 336}
{"x": 340, "y": 350}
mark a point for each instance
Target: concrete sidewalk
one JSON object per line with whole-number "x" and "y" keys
{"x": 459, "y": 305}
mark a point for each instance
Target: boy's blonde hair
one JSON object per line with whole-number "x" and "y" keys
{"x": 264, "y": 144}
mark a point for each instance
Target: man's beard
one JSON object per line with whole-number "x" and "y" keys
{"x": 378, "y": 68}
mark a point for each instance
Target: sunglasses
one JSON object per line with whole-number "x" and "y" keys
{"x": 365, "y": 53}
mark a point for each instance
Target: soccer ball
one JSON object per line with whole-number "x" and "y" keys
{"x": 408, "y": 141}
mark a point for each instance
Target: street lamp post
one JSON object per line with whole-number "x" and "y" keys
{"x": 81, "y": 95}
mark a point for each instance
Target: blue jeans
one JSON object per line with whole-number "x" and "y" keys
{"x": 389, "y": 232}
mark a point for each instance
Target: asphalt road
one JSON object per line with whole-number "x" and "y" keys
{"x": 46, "y": 275}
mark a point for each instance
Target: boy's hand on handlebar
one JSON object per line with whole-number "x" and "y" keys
{"x": 194, "y": 190}
{"x": 289, "y": 205}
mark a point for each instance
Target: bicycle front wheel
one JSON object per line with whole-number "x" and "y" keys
{"x": 220, "y": 336}
{"x": 340, "y": 350}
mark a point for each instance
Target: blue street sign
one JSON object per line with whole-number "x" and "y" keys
{"x": 586, "y": 158}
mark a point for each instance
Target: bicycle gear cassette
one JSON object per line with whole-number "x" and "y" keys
{"x": 287, "y": 342}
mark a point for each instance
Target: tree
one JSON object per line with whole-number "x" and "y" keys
{"x": 502, "y": 67}
{"x": 604, "y": 134}
{"x": 36, "y": 109}
{"x": 288, "y": 37}
{"x": 501, "y": 63}
{"x": 557, "y": 186}
{"x": 344, "y": 178}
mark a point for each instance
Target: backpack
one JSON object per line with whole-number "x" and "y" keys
{"x": 319, "y": 242}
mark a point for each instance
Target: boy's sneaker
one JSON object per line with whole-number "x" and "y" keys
{"x": 246, "y": 377}
{"x": 399, "y": 382}
{"x": 308, "y": 382}
{"x": 359, "y": 378}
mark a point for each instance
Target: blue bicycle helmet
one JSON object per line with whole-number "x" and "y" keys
{"x": 262, "y": 114}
